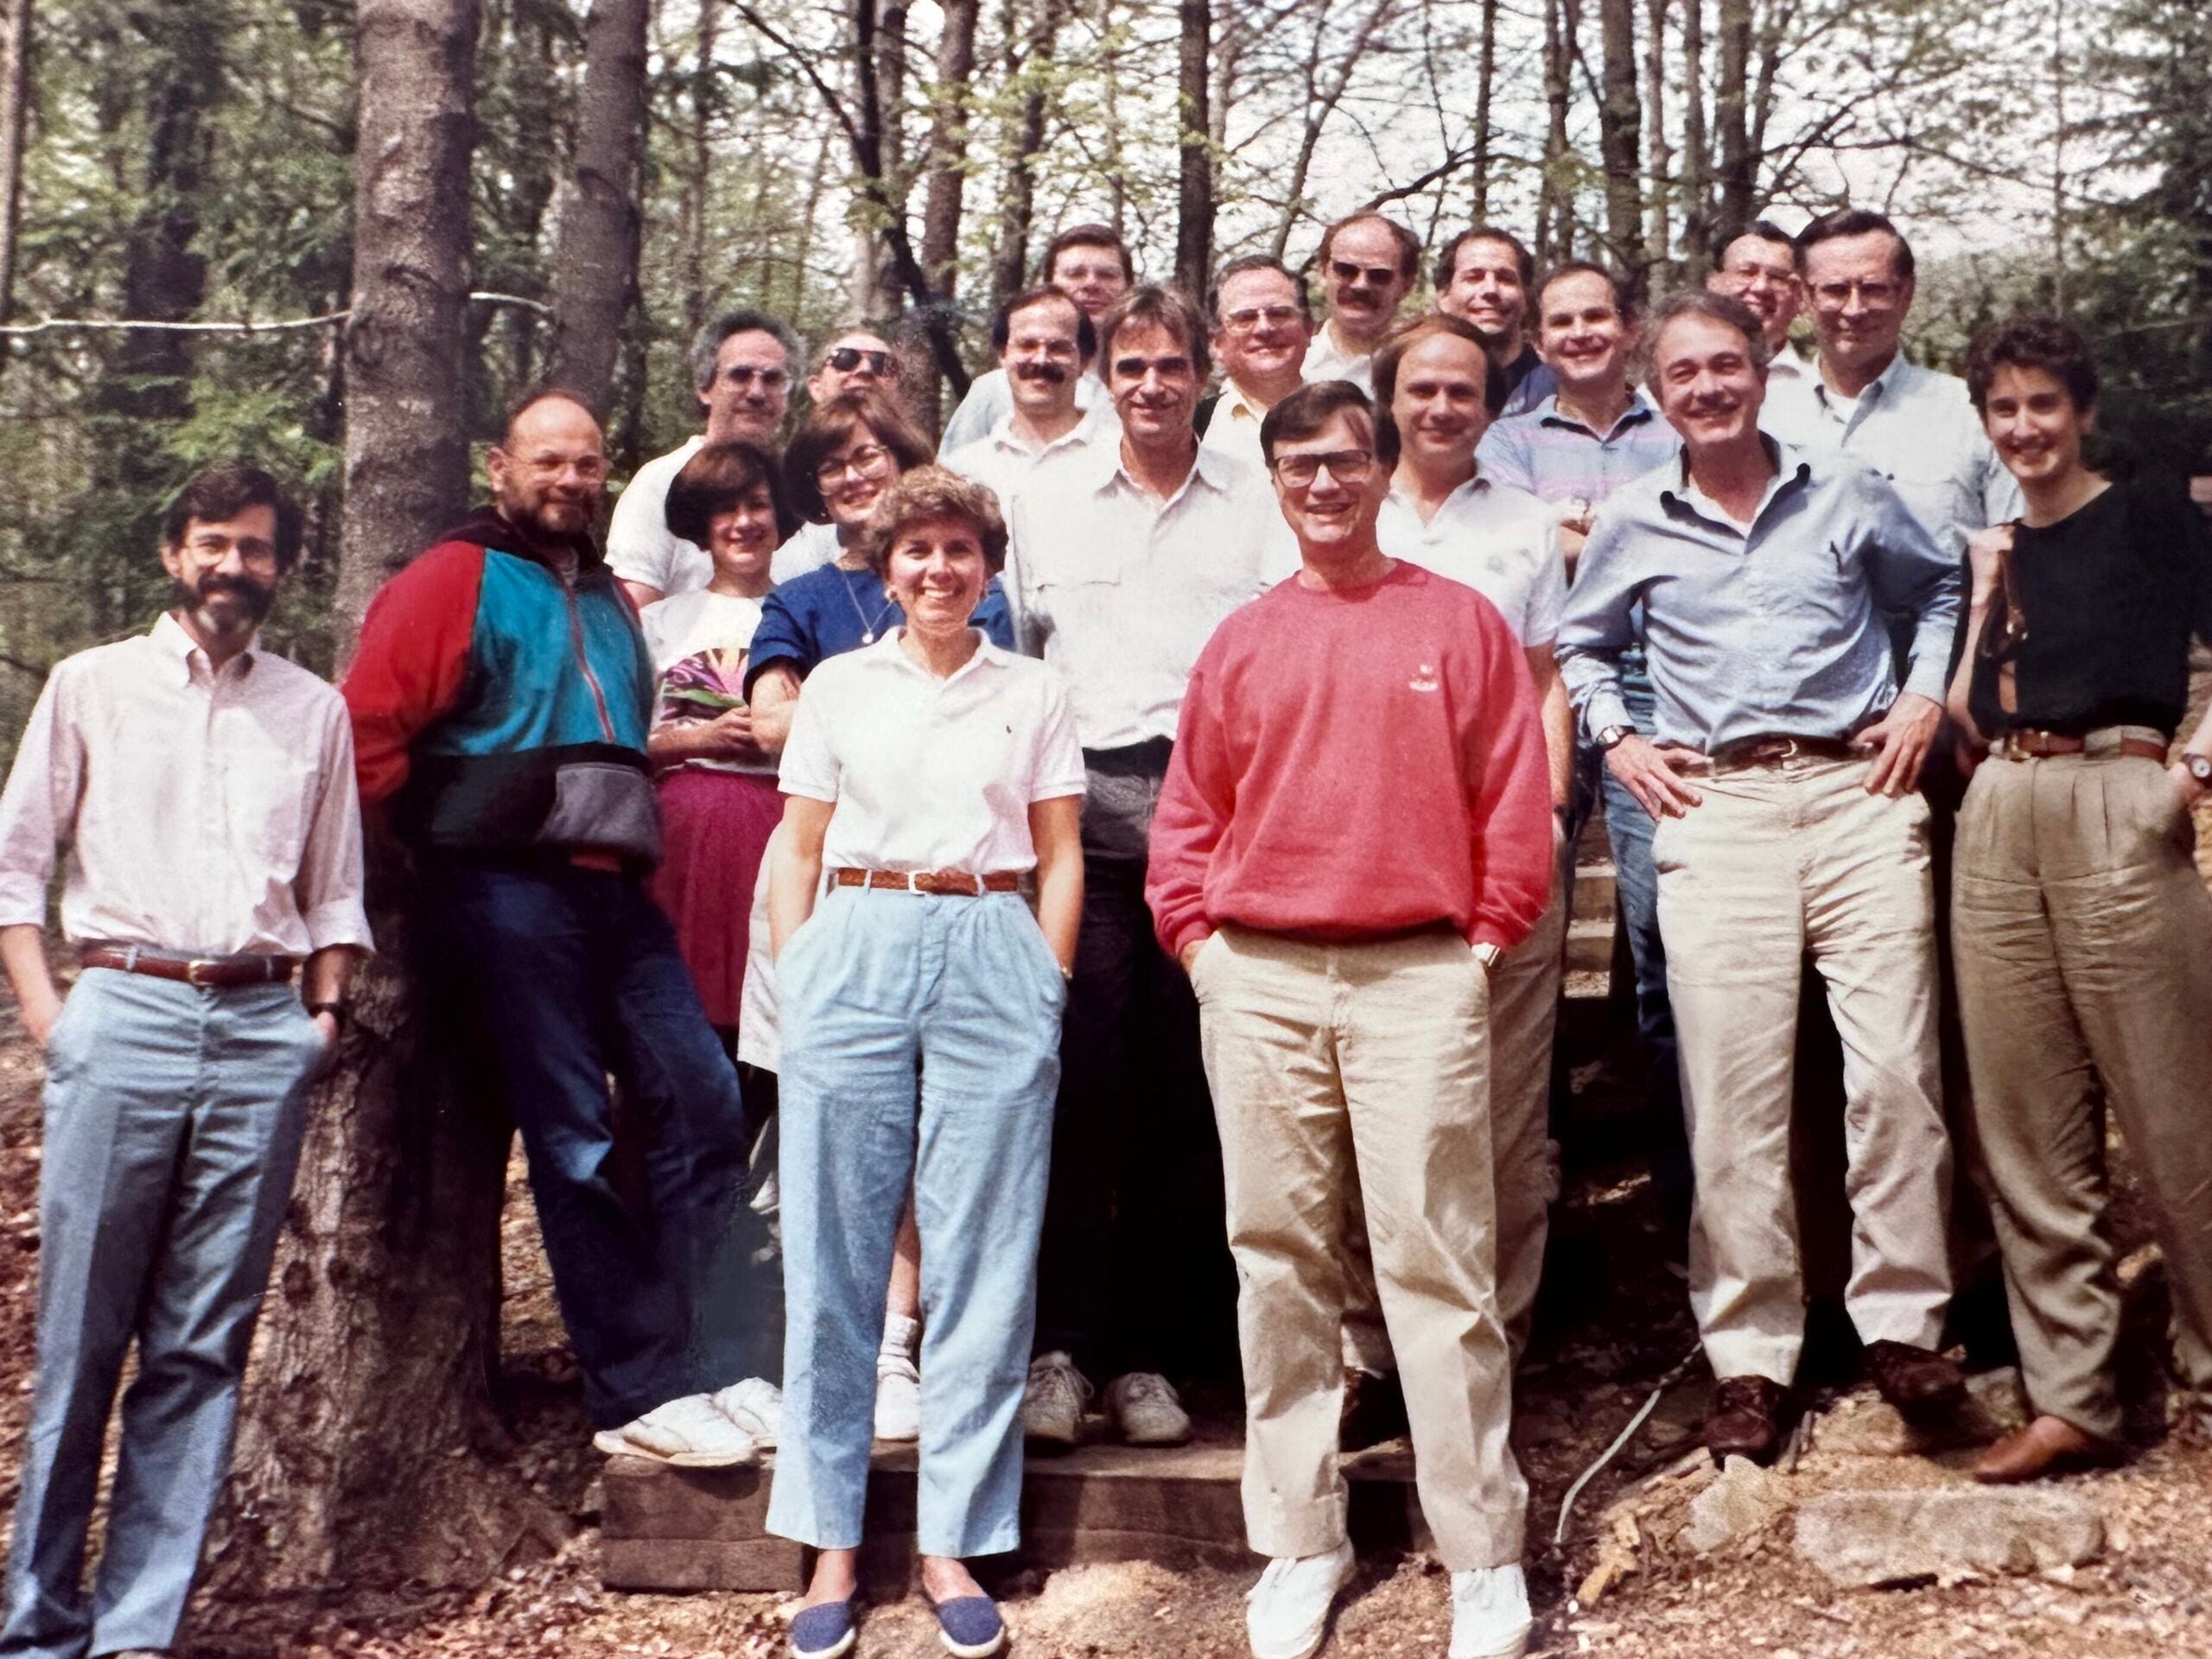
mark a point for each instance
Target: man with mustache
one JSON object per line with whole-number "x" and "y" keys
{"x": 1090, "y": 265}
{"x": 1126, "y": 554}
{"x": 1482, "y": 278}
{"x": 1262, "y": 328}
{"x": 203, "y": 789}
{"x": 1369, "y": 265}
{"x": 1045, "y": 344}
{"x": 500, "y": 698}
{"x": 1780, "y": 780}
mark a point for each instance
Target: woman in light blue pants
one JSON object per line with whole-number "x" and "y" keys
{"x": 924, "y": 775}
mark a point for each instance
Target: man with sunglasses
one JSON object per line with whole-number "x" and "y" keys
{"x": 742, "y": 366}
{"x": 858, "y": 362}
{"x": 1354, "y": 830}
{"x": 1369, "y": 265}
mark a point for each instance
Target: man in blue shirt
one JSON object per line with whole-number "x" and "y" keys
{"x": 1782, "y": 779}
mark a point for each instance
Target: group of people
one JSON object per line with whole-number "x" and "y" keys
{"x": 1082, "y": 909}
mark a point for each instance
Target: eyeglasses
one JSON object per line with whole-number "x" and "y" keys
{"x": 254, "y": 553}
{"x": 846, "y": 359}
{"x": 590, "y": 468}
{"x": 1250, "y": 318}
{"x": 1375, "y": 275}
{"x": 1875, "y": 294}
{"x": 744, "y": 374}
{"x": 1346, "y": 466}
{"x": 869, "y": 460}
{"x": 1751, "y": 275}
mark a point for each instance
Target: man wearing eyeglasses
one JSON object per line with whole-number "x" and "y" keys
{"x": 1914, "y": 426}
{"x": 1485, "y": 276}
{"x": 1354, "y": 830}
{"x": 1263, "y": 328}
{"x": 1759, "y": 267}
{"x": 1369, "y": 265}
{"x": 1046, "y": 345}
{"x": 742, "y": 366}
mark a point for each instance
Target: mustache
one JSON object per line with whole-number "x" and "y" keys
{"x": 1050, "y": 373}
{"x": 254, "y": 599}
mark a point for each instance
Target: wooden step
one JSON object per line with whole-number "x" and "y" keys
{"x": 671, "y": 1529}
{"x": 1590, "y": 945}
{"x": 1595, "y": 889}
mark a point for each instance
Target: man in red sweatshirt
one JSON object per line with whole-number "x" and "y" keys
{"x": 1354, "y": 825}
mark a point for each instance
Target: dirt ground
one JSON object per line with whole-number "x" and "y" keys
{"x": 1616, "y": 1324}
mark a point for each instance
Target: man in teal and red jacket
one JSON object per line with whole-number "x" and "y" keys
{"x": 500, "y": 699}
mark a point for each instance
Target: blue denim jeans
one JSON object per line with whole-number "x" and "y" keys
{"x": 571, "y": 974}
{"x": 1635, "y": 887}
{"x": 173, "y": 1117}
{"x": 875, "y": 987}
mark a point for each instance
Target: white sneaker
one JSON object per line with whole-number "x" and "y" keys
{"x": 689, "y": 1433}
{"x": 1489, "y": 1613}
{"x": 1053, "y": 1403}
{"x": 898, "y": 1399}
{"x": 1286, "y": 1613}
{"x": 756, "y": 1405}
{"x": 1146, "y": 1411}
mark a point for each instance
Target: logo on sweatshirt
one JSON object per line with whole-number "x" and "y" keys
{"x": 1424, "y": 678}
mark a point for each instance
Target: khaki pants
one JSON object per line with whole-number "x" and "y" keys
{"x": 1780, "y": 861}
{"x": 1366, "y": 1062}
{"x": 2083, "y": 935}
{"x": 1524, "y": 996}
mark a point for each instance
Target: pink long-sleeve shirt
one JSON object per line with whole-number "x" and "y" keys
{"x": 1356, "y": 763}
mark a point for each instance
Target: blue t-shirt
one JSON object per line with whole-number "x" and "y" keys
{"x": 830, "y": 611}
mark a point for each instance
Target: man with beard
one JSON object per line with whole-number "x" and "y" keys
{"x": 203, "y": 787}
{"x": 1262, "y": 331}
{"x": 1482, "y": 278}
{"x": 500, "y": 700}
{"x": 1045, "y": 344}
{"x": 1091, "y": 265}
{"x": 1369, "y": 265}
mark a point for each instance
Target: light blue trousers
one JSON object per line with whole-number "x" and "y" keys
{"x": 173, "y": 1124}
{"x": 875, "y": 986}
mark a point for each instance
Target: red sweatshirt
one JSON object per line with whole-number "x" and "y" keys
{"x": 1356, "y": 763}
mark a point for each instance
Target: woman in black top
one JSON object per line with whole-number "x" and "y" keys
{"x": 2080, "y": 929}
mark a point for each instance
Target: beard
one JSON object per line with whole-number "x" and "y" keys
{"x": 252, "y": 598}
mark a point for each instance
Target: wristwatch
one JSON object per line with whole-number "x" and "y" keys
{"x": 1609, "y": 739}
{"x": 1490, "y": 956}
{"x": 2199, "y": 768}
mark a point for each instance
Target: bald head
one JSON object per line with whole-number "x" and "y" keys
{"x": 549, "y": 472}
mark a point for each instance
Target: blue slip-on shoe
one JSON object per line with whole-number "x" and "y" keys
{"x": 824, "y": 1631}
{"x": 969, "y": 1627}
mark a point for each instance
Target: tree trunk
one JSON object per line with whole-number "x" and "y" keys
{"x": 879, "y": 63}
{"x": 1697, "y": 160}
{"x": 15, "y": 80}
{"x": 942, "y": 197}
{"x": 1018, "y": 196}
{"x": 1485, "y": 81}
{"x": 1732, "y": 114}
{"x": 595, "y": 269}
{"x": 1194, "y": 193}
{"x": 1620, "y": 119}
{"x": 1555, "y": 192}
{"x": 700, "y": 186}
{"x": 1659, "y": 237}
{"x": 369, "y": 1452}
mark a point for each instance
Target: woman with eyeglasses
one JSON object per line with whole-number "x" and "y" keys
{"x": 2081, "y": 926}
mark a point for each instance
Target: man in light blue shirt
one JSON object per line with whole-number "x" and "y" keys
{"x": 1782, "y": 780}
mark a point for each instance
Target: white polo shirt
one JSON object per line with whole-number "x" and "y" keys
{"x": 1500, "y": 541}
{"x": 640, "y": 547}
{"x": 1120, "y": 591}
{"x": 931, "y": 774}
{"x": 1001, "y": 461}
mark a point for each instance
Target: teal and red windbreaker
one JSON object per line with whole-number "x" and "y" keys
{"x": 501, "y": 710}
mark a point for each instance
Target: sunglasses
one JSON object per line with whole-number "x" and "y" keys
{"x": 1377, "y": 275}
{"x": 846, "y": 359}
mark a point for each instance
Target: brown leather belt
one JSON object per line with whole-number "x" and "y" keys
{"x": 956, "y": 883}
{"x": 208, "y": 973}
{"x": 1773, "y": 751}
{"x": 2027, "y": 743}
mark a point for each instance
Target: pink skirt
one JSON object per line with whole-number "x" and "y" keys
{"x": 714, "y": 826}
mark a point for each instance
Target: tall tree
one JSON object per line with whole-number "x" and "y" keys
{"x": 1556, "y": 189}
{"x": 1620, "y": 117}
{"x": 1738, "y": 179}
{"x": 1195, "y": 176}
{"x": 946, "y": 159}
{"x": 1018, "y": 193}
{"x": 595, "y": 264}
{"x": 14, "y": 81}
{"x": 1697, "y": 155}
{"x": 1485, "y": 82}
{"x": 1658, "y": 239}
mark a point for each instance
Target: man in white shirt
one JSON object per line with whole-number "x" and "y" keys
{"x": 1125, "y": 558}
{"x": 1263, "y": 328}
{"x": 1485, "y": 276}
{"x": 856, "y": 361}
{"x": 1759, "y": 267}
{"x": 203, "y": 789}
{"x": 1046, "y": 345}
{"x": 1090, "y": 265}
{"x": 1914, "y": 426}
{"x": 1369, "y": 264}
{"x": 742, "y": 366}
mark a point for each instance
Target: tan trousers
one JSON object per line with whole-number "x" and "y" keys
{"x": 1366, "y": 1062}
{"x": 1524, "y": 996}
{"x": 2084, "y": 936}
{"x": 1780, "y": 861}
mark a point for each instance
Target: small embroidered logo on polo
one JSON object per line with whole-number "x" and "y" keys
{"x": 1425, "y": 679}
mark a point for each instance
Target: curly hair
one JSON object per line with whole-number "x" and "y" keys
{"x": 929, "y": 491}
{"x": 2042, "y": 343}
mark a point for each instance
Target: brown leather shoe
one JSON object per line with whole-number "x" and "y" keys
{"x": 1746, "y": 1420}
{"x": 1919, "y": 1381}
{"x": 2049, "y": 1445}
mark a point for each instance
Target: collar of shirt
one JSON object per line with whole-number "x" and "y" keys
{"x": 1326, "y": 359}
{"x": 1476, "y": 486}
{"x": 1883, "y": 388}
{"x": 894, "y": 654}
{"x": 169, "y": 637}
{"x": 1236, "y": 404}
{"x": 1006, "y": 440}
{"x": 1639, "y": 410}
{"x": 1213, "y": 469}
{"x": 1793, "y": 468}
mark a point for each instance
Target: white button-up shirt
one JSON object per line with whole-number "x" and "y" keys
{"x": 1917, "y": 428}
{"x": 1002, "y": 460}
{"x": 1499, "y": 540}
{"x": 1326, "y": 361}
{"x": 990, "y": 400}
{"x": 930, "y": 773}
{"x": 640, "y": 547}
{"x": 1119, "y": 590}
{"x": 205, "y": 813}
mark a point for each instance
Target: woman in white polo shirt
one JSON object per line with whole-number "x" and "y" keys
{"x": 924, "y": 774}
